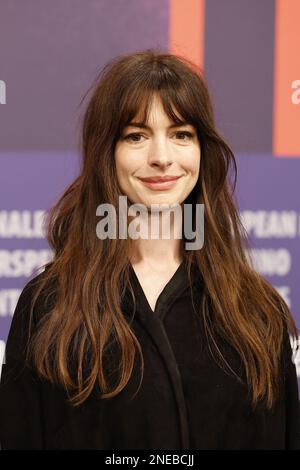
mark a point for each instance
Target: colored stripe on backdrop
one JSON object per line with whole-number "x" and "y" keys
{"x": 186, "y": 29}
{"x": 286, "y": 118}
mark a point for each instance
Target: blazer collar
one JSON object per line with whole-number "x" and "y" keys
{"x": 178, "y": 285}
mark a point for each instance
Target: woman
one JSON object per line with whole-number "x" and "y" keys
{"x": 128, "y": 342}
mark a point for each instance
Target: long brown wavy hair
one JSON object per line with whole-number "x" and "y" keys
{"x": 89, "y": 276}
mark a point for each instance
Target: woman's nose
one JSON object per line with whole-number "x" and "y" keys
{"x": 160, "y": 153}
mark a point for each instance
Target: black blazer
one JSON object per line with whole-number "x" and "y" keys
{"x": 187, "y": 399}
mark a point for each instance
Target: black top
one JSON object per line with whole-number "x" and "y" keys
{"x": 187, "y": 399}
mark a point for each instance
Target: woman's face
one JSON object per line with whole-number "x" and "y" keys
{"x": 157, "y": 151}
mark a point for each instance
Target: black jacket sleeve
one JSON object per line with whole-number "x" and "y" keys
{"x": 21, "y": 422}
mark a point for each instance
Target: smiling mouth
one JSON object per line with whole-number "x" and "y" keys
{"x": 160, "y": 185}
{"x": 160, "y": 180}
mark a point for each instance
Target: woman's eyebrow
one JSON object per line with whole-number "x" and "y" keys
{"x": 145, "y": 126}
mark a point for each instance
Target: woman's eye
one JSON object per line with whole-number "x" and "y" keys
{"x": 185, "y": 134}
{"x": 132, "y": 137}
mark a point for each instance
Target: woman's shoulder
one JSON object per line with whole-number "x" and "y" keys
{"x": 29, "y": 310}
{"x": 29, "y": 291}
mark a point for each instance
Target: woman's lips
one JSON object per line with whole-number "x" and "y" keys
{"x": 160, "y": 185}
